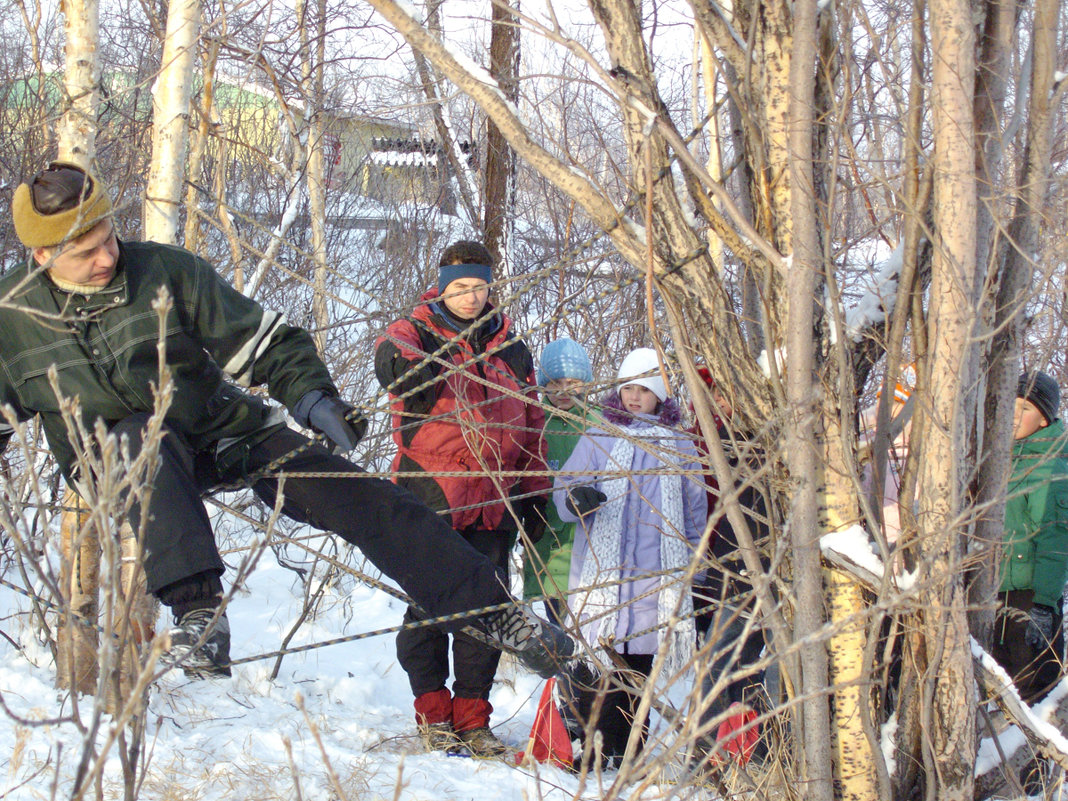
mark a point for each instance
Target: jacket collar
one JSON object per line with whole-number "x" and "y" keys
{"x": 431, "y": 311}
{"x": 1048, "y": 440}
{"x": 114, "y": 295}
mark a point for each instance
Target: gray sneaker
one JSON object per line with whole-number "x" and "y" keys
{"x": 543, "y": 647}
{"x": 200, "y": 648}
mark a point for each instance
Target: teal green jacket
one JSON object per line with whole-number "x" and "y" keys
{"x": 1036, "y": 516}
{"x": 103, "y": 348}
{"x": 545, "y": 572}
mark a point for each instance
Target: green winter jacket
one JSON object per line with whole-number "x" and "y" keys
{"x": 553, "y": 560}
{"x": 1036, "y": 516}
{"x": 103, "y": 347}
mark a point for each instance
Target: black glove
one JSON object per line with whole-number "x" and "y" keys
{"x": 581, "y": 501}
{"x": 1039, "y": 633}
{"x": 532, "y": 514}
{"x": 332, "y": 417}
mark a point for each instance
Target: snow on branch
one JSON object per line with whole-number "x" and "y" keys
{"x": 1031, "y": 723}
{"x": 877, "y": 303}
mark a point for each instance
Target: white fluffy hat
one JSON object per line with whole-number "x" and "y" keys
{"x": 642, "y": 367}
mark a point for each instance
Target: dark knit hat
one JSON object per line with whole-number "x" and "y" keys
{"x": 447, "y": 273}
{"x": 59, "y": 204}
{"x": 1042, "y": 391}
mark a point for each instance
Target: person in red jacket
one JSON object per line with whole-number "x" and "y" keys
{"x": 464, "y": 400}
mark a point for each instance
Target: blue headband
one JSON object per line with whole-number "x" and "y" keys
{"x": 448, "y": 273}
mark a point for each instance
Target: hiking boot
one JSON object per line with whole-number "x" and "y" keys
{"x": 483, "y": 743}
{"x": 440, "y": 737}
{"x": 543, "y": 647}
{"x": 201, "y": 648}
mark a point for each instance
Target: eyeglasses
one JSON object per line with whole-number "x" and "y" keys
{"x": 58, "y": 187}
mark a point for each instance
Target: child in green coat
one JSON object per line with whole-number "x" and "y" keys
{"x": 565, "y": 375}
{"x": 1028, "y": 630}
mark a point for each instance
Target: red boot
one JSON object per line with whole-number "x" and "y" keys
{"x": 434, "y": 707}
{"x": 433, "y": 714}
{"x": 470, "y": 713}
{"x": 471, "y": 721}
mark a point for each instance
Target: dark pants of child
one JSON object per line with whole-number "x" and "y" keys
{"x": 615, "y": 718}
{"x": 394, "y": 530}
{"x": 732, "y": 651}
{"x": 1035, "y": 664}
{"x": 424, "y": 654}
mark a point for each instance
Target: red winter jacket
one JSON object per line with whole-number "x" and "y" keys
{"x": 464, "y": 420}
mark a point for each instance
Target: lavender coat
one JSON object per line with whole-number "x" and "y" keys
{"x": 642, "y": 523}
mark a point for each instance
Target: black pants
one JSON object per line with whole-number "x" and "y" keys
{"x": 424, "y": 652}
{"x": 730, "y": 653}
{"x": 1034, "y": 670}
{"x": 616, "y": 716}
{"x": 399, "y": 535}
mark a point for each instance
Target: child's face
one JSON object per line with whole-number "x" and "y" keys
{"x": 638, "y": 399}
{"x": 561, "y": 392}
{"x": 1026, "y": 419}
{"x": 722, "y": 403}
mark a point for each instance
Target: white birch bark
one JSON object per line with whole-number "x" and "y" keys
{"x": 311, "y": 67}
{"x": 81, "y": 82}
{"x": 170, "y": 122}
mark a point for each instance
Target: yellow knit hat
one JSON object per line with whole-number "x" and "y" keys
{"x": 36, "y": 230}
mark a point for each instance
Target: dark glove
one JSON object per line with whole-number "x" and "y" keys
{"x": 332, "y": 417}
{"x": 581, "y": 501}
{"x": 1039, "y": 633}
{"x": 532, "y": 515}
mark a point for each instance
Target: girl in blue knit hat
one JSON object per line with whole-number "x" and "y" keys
{"x": 565, "y": 375}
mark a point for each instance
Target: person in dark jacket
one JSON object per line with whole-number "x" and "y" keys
{"x": 82, "y": 310}
{"x": 1028, "y": 628}
{"x": 732, "y": 642}
{"x": 464, "y": 401}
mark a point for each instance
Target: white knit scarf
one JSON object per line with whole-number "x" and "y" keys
{"x": 603, "y": 561}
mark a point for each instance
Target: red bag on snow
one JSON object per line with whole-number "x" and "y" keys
{"x": 549, "y": 740}
{"x": 737, "y": 740}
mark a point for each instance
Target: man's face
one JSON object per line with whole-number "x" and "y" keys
{"x": 466, "y": 297}
{"x": 1026, "y": 419}
{"x": 638, "y": 399}
{"x": 88, "y": 260}
{"x": 561, "y": 392}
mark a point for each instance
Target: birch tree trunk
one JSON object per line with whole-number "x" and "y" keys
{"x": 949, "y": 687}
{"x": 311, "y": 67}
{"x": 77, "y": 639}
{"x": 76, "y": 667}
{"x": 170, "y": 122}
{"x": 81, "y": 82}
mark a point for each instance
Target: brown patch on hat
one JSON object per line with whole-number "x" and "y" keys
{"x": 36, "y": 230}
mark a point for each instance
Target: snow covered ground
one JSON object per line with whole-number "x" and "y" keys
{"x": 248, "y": 738}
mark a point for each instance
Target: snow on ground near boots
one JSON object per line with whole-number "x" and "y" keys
{"x": 226, "y": 739}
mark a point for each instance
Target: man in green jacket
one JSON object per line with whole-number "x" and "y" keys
{"x": 1028, "y": 634}
{"x": 81, "y": 309}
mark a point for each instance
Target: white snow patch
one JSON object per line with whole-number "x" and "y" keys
{"x": 887, "y": 743}
{"x": 878, "y": 301}
{"x": 1012, "y": 739}
{"x": 854, "y": 543}
{"x": 765, "y": 365}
